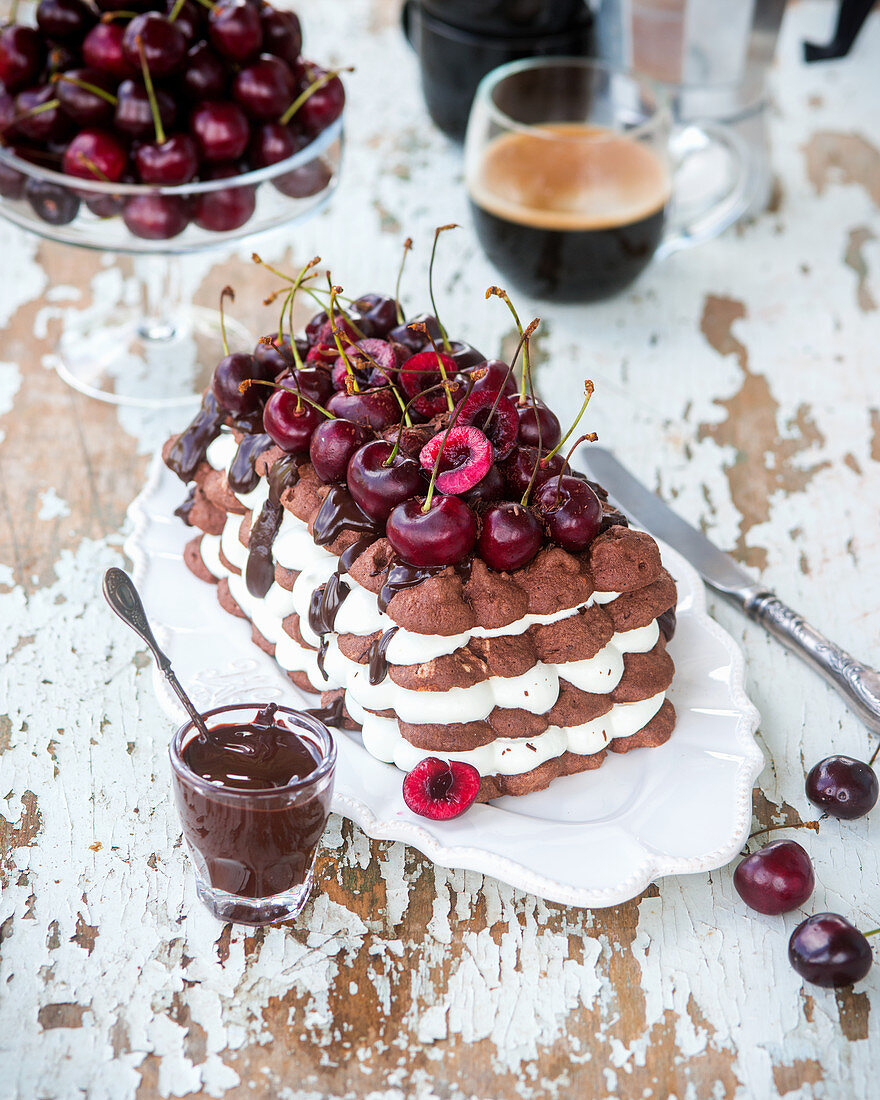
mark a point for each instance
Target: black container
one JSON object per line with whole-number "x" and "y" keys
{"x": 503, "y": 18}
{"x": 454, "y": 61}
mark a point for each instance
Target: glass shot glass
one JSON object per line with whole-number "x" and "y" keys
{"x": 253, "y": 849}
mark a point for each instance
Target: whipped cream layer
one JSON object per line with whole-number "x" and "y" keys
{"x": 535, "y": 691}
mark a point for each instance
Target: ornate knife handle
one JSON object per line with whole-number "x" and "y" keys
{"x": 859, "y": 684}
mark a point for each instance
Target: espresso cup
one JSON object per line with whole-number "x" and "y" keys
{"x": 576, "y": 177}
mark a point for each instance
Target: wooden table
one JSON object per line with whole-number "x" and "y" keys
{"x": 741, "y": 380}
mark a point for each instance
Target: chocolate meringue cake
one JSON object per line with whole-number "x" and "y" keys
{"x": 395, "y": 605}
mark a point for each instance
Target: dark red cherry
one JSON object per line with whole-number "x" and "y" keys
{"x": 274, "y": 355}
{"x": 290, "y": 421}
{"x": 79, "y": 102}
{"x": 270, "y": 143}
{"x": 37, "y": 122}
{"x": 171, "y": 163}
{"x": 133, "y": 115}
{"x": 462, "y": 455}
{"x": 102, "y": 50}
{"x": 227, "y": 209}
{"x": 538, "y": 426}
{"x": 309, "y": 179}
{"x": 314, "y": 326}
{"x": 60, "y": 58}
{"x": 264, "y": 88}
{"x": 776, "y": 879}
{"x": 190, "y": 18}
{"x": 378, "y": 408}
{"x": 494, "y": 375}
{"x": 489, "y": 488}
{"x": 441, "y": 789}
{"x": 164, "y": 44}
{"x": 324, "y": 105}
{"x": 413, "y": 339}
{"x": 22, "y": 54}
{"x": 235, "y": 30}
{"x": 95, "y": 155}
{"x": 156, "y": 217}
{"x": 378, "y": 483}
{"x": 314, "y": 383}
{"x": 829, "y": 951}
{"x": 372, "y": 361}
{"x": 378, "y": 310}
{"x": 571, "y": 511}
{"x": 11, "y": 182}
{"x": 510, "y": 538}
{"x": 520, "y": 466}
{"x": 444, "y": 535}
{"x": 282, "y": 34}
{"x": 221, "y": 130}
{"x": 464, "y": 355}
{"x": 843, "y": 787}
{"x": 204, "y": 76}
{"x": 421, "y": 372}
{"x": 54, "y": 204}
{"x": 105, "y": 206}
{"x": 229, "y": 373}
{"x": 332, "y": 446}
{"x": 495, "y": 416}
{"x": 65, "y": 20}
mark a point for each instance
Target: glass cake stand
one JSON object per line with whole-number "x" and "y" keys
{"x": 152, "y": 349}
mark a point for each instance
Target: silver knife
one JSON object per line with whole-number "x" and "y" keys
{"x": 856, "y": 682}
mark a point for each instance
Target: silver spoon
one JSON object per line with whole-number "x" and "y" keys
{"x": 121, "y": 594}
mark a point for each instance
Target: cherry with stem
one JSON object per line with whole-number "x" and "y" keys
{"x": 443, "y": 333}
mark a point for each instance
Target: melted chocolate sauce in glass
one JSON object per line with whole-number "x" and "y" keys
{"x": 254, "y": 757}
{"x": 248, "y": 848}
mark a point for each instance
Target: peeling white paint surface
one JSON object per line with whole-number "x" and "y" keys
{"x": 740, "y": 379}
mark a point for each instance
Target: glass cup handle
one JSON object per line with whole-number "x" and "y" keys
{"x": 685, "y": 143}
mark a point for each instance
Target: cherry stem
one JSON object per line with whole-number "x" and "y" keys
{"x": 349, "y": 370}
{"x": 13, "y": 11}
{"x": 437, "y": 232}
{"x": 497, "y": 292}
{"x": 207, "y": 4}
{"x": 93, "y": 168}
{"x": 873, "y": 932}
{"x": 315, "y": 86}
{"x": 423, "y": 328}
{"x": 407, "y": 245}
{"x": 101, "y": 93}
{"x": 246, "y": 384}
{"x": 588, "y": 393}
{"x": 175, "y": 11}
{"x": 306, "y": 273}
{"x": 151, "y": 95}
{"x": 814, "y": 825}
{"x": 226, "y": 292}
{"x": 874, "y": 757}
{"x": 436, "y": 468}
{"x": 49, "y": 105}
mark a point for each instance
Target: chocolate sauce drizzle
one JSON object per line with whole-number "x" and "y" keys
{"x": 323, "y": 608}
{"x": 243, "y": 476}
{"x": 376, "y": 654}
{"x": 401, "y": 575}
{"x": 192, "y": 444}
{"x": 184, "y": 509}
{"x": 339, "y": 513}
{"x": 666, "y": 622}
{"x": 260, "y": 569}
{"x": 331, "y": 715}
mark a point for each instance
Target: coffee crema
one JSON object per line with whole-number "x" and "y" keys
{"x": 569, "y": 211}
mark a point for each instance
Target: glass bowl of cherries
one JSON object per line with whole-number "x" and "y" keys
{"x": 159, "y": 128}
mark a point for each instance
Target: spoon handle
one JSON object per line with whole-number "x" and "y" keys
{"x": 121, "y": 594}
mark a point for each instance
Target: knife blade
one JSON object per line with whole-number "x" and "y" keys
{"x": 858, "y": 683}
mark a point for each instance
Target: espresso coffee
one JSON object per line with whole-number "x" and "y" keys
{"x": 569, "y": 211}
